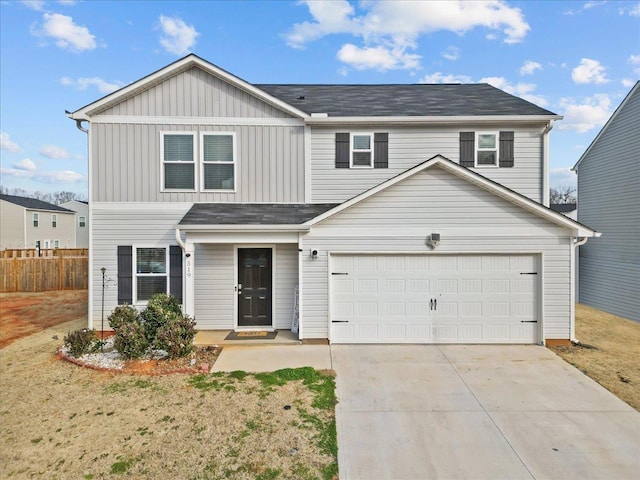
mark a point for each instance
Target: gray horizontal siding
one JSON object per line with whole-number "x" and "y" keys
{"x": 608, "y": 200}
{"x": 195, "y": 93}
{"x": 137, "y": 227}
{"x": 127, "y": 165}
{"x": 410, "y": 146}
{"x": 434, "y": 201}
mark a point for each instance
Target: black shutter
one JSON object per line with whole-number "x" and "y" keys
{"x": 467, "y": 149}
{"x": 175, "y": 272}
{"x": 342, "y": 150}
{"x": 506, "y": 149}
{"x": 125, "y": 274}
{"x": 381, "y": 150}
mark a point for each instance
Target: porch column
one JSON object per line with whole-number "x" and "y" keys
{"x": 189, "y": 279}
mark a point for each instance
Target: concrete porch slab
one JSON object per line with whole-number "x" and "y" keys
{"x": 217, "y": 337}
{"x": 267, "y": 358}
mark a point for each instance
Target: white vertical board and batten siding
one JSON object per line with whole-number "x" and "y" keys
{"x": 214, "y": 285}
{"x": 469, "y": 219}
{"x": 194, "y": 93}
{"x": 608, "y": 201}
{"x": 410, "y": 146}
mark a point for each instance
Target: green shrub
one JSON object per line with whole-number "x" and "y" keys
{"x": 123, "y": 314}
{"x": 130, "y": 340}
{"x": 160, "y": 307}
{"x": 80, "y": 341}
{"x": 175, "y": 335}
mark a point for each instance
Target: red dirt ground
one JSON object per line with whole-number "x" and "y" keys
{"x": 24, "y": 313}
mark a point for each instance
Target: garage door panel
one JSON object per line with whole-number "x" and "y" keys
{"x": 476, "y": 299}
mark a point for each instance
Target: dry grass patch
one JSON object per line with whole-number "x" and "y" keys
{"x": 58, "y": 420}
{"x": 609, "y": 352}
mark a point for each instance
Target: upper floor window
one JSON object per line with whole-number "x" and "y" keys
{"x": 82, "y": 222}
{"x": 486, "y": 149}
{"x": 36, "y": 219}
{"x": 362, "y": 150}
{"x": 54, "y": 220}
{"x": 218, "y": 161}
{"x": 178, "y": 161}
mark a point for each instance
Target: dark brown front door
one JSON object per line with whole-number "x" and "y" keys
{"x": 254, "y": 287}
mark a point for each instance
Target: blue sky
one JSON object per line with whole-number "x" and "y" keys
{"x": 578, "y": 59}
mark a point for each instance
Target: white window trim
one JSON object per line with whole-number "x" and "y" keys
{"x": 136, "y": 274}
{"x": 236, "y": 175}
{"x": 80, "y": 221}
{"x": 54, "y": 220}
{"x": 56, "y": 244}
{"x": 194, "y": 163}
{"x": 352, "y": 150}
{"x": 477, "y": 149}
{"x": 35, "y": 220}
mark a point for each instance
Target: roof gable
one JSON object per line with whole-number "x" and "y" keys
{"x": 472, "y": 177}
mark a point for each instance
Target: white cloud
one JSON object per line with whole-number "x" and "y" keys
{"x": 7, "y": 144}
{"x": 451, "y": 53}
{"x": 26, "y": 165}
{"x": 591, "y": 113}
{"x": 562, "y": 176}
{"x": 627, "y": 82}
{"x": 633, "y": 10}
{"x": 83, "y": 83}
{"x": 589, "y": 71}
{"x": 391, "y": 29}
{"x": 529, "y": 67}
{"x": 51, "y": 177}
{"x": 635, "y": 61}
{"x": 54, "y": 152}
{"x": 66, "y": 33}
{"x": 179, "y": 38}
{"x": 523, "y": 90}
{"x": 439, "y": 77}
{"x": 67, "y": 2}
{"x": 37, "y": 5}
{"x": 378, "y": 58}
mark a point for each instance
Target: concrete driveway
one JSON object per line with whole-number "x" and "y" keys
{"x": 477, "y": 412}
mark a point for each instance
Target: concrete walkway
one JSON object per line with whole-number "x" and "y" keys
{"x": 267, "y": 358}
{"x": 477, "y": 412}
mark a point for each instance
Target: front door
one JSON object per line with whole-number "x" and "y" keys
{"x": 254, "y": 287}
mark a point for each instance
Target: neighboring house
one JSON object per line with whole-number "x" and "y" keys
{"x": 403, "y": 213}
{"x": 609, "y": 196}
{"x": 567, "y": 209}
{"x": 82, "y": 221}
{"x": 26, "y": 221}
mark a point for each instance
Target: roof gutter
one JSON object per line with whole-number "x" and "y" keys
{"x": 545, "y": 163}
{"x": 432, "y": 119}
{"x": 243, "y": 228}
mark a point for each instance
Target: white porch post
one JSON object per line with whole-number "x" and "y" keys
{"x": 189, "y": 279}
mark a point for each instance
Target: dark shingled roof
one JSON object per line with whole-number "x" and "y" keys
{"x": 254, "y": 213}
{"x": 563, "y": 207}
{"x": 33, "y": 203}
{"x": 403, "y": 100}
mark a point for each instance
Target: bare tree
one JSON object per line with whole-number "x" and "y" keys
{"x": 56, "y": 197}
{"x": 562, "y": 194}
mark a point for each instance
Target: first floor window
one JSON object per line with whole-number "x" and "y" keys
{"x": 487, "y": 149}
{"x": 54, "y": 220}
{"x": 82, "y": 222}
{"x": 362, "y": 150}
{"x": 56, "y": 244}
{"x": 35, "y": 219}
{"x": 218, "y": 161}
{"x": 178, "y": 161}
{"x": 151, "y": 272}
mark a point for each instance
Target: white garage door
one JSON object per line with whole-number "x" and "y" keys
{"x": 434, "y": 299}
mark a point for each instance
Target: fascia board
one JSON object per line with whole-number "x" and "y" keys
{"x": 183, "y": 64}
{"x": 243, "y": 228}
{"x": 440, "y": 120}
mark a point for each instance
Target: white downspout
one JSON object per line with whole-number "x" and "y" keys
{"x": 574, "y": 248}
{"x": 545, "y": 163}
{"x": 189, "y": 281}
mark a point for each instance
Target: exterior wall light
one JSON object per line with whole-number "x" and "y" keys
{"x": 433, "y": 240}
{"x": 314, "y": 254}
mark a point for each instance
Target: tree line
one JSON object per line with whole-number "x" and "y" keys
{"x": 55, "y": 198}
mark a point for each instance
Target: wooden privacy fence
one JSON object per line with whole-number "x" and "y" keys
{"x": 44, "y": 252}
{"x": 41, "y": 274}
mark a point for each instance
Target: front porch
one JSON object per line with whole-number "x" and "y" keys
{"x": 217, "y": 337}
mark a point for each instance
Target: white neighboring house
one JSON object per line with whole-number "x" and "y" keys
{"x": 26, "y": 221}
{"x": 569, "y": 210}
{"x": 82, "y": 221}
{"x": 609, "y": 196}
{"x": 404, "y": 213}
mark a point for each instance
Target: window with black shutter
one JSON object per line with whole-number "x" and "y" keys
{"x": 486, "y": 149}
{"x": 362, "y": 150}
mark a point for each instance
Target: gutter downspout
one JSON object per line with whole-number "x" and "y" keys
{"x": 545, "y": 163}
{"x": 574, "y": 248}
{"x": 188, "y": 282}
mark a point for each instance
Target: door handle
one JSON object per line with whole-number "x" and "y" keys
{"x": 239, "y": 289}
{"x": 431, "y": 304}
{"x": 435, "y": 304}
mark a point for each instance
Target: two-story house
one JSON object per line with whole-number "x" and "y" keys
{"x": 400, "y": 213}
{"x": 82, "y": 221}
{"x": 29, "y": 223}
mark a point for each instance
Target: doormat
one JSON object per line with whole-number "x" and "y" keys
{"x": 261, "y": 335}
